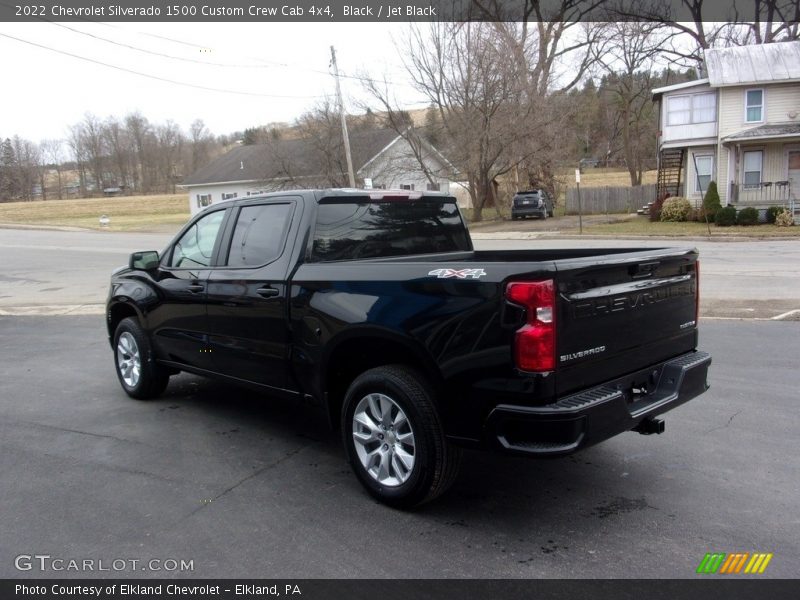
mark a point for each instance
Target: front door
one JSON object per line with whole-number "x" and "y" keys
{"x": 179, "y": 319}
{"x": 794, "y": 174}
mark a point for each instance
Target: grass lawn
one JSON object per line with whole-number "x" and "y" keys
{"x": 591, "y": 178}
{"x": 127, "y": 213}
{"x": 643, "y": 226}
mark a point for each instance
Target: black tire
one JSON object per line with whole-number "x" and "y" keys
{"x": 153, "y": 378}
{"x": 436, "y": 460}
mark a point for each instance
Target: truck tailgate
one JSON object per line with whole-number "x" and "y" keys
{"x": 620, "y": 313}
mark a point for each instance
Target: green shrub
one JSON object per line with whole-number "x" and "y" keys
{"x": 676, "y": 209}
{"x": 711, "y": 203}
{"x": 725, "y": 217}
{"x": 773, "y": 212}
{"x": 747, "y": 216}
{"x": 784, "y": 218}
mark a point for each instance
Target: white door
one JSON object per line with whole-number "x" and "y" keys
{"x": 794, "y": 174}
{"x": 794, "y": 182}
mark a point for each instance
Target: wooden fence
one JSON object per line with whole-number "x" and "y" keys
{"x": 600, "y": 200}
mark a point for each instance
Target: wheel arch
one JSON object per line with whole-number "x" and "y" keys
{"x": 366, "y": 348}
{"x": 119, "y": 309}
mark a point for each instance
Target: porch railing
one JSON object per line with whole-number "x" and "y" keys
{"x": 766, "y": 193}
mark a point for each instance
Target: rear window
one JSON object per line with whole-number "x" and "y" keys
{"x": 347, "y": 230}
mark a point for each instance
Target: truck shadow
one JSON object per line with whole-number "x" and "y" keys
{"x": 506, "y": 491}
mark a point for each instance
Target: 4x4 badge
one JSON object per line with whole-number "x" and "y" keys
{"x": 457, "y": 274}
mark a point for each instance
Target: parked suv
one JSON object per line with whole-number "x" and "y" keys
{"x": 533, "y": 203}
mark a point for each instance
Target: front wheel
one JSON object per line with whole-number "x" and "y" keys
{"x": 138, "y": 373}
{"x": 394, "y": 438}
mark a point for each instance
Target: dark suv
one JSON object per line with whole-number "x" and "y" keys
{"x": 532, "y": 203}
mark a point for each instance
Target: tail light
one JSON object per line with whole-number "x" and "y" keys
{"x": 697, "y": 291}
{"x": 535, "y": 342}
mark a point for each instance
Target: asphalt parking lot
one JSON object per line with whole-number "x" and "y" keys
{"x": 246, "y": 486}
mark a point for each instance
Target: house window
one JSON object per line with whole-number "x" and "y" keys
{"x": 229, "y": 196}
{"x": 679, "y": 110}
{"x": 694, "y": 108}
{"x": 754, "y": 106}
{"x": 705, "y": 167}
{"x": 704, "y": 108}
{"x": 407, "y": 186}
{"x": 434, "y": 187}
{"x": 203, "y": 200}
{"x": 753, "y": 161}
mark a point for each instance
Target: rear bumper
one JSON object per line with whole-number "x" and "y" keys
{"x": 599, "y": 413}
{"x": 524, "y": 211}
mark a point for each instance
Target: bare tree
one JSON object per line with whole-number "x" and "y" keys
{"x": 141, "y": 135}
{"x": 201, "y": 141}
{"x": 92, "y": 132}
{"x": 630, "y": 55}
{"x": 76, "y": 144}
{"x": 322, "y": 128}
{"x": 29, "y": 168}
{"x": 702, "y": 22}
{"x": 53, "y": 156}
{"x": 170, "y": 141}
{"x": 463, "y": 71}
{"x": 118, "y": 144}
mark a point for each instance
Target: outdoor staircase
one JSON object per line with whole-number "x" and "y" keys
{"x": 670, "y": 165}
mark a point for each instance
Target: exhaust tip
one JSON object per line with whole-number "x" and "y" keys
{"x": 649, "y": 426}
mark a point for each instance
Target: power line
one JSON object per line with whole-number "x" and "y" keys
{"x": 161, "y": 54}
{"x": 156, "y": 77}
{"x": 265, "y": 63}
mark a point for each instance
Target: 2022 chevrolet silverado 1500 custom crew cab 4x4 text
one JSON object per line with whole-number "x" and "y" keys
{"x": 374, "y": 306}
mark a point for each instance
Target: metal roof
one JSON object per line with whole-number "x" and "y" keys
{"x": 761, "y": 63}
{"x": 765, "y": 132}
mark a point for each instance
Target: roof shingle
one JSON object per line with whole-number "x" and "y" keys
{"x": 289, "y": 159}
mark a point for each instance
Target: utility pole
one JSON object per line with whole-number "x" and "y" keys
{"x": 346, "y": 137}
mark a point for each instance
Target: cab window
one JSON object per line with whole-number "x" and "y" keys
{"x": 196, "y": 246}
{"x": 259, "y": 235}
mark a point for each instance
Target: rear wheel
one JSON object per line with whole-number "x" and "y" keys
{"x": 138, "y": 373}
{"x": 394, "y": 439}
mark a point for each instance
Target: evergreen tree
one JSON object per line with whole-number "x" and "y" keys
{"x": 9, "y": 184}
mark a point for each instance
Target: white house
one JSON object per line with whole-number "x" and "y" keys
{"x": 380, "y": 157}
{"x": 740, "y": 126}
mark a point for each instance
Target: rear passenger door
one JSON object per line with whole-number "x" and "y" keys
{"x": 247, "y": 294}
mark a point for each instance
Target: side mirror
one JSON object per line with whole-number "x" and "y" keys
{"x": 144, "y": 261}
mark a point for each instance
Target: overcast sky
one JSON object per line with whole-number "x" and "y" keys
{"x": 43, "y": 92}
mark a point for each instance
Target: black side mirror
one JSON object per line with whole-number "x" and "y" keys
{"x": 144, "y": 261}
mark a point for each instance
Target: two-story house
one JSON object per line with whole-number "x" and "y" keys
{"x": 740, "y": 127}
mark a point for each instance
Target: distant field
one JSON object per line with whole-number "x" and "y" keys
{"x": 127, "y": 213}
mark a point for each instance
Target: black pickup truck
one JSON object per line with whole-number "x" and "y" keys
{"x": 374, "y": 307}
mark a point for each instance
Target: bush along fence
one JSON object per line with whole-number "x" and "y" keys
{"x": 601, "y": 200}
